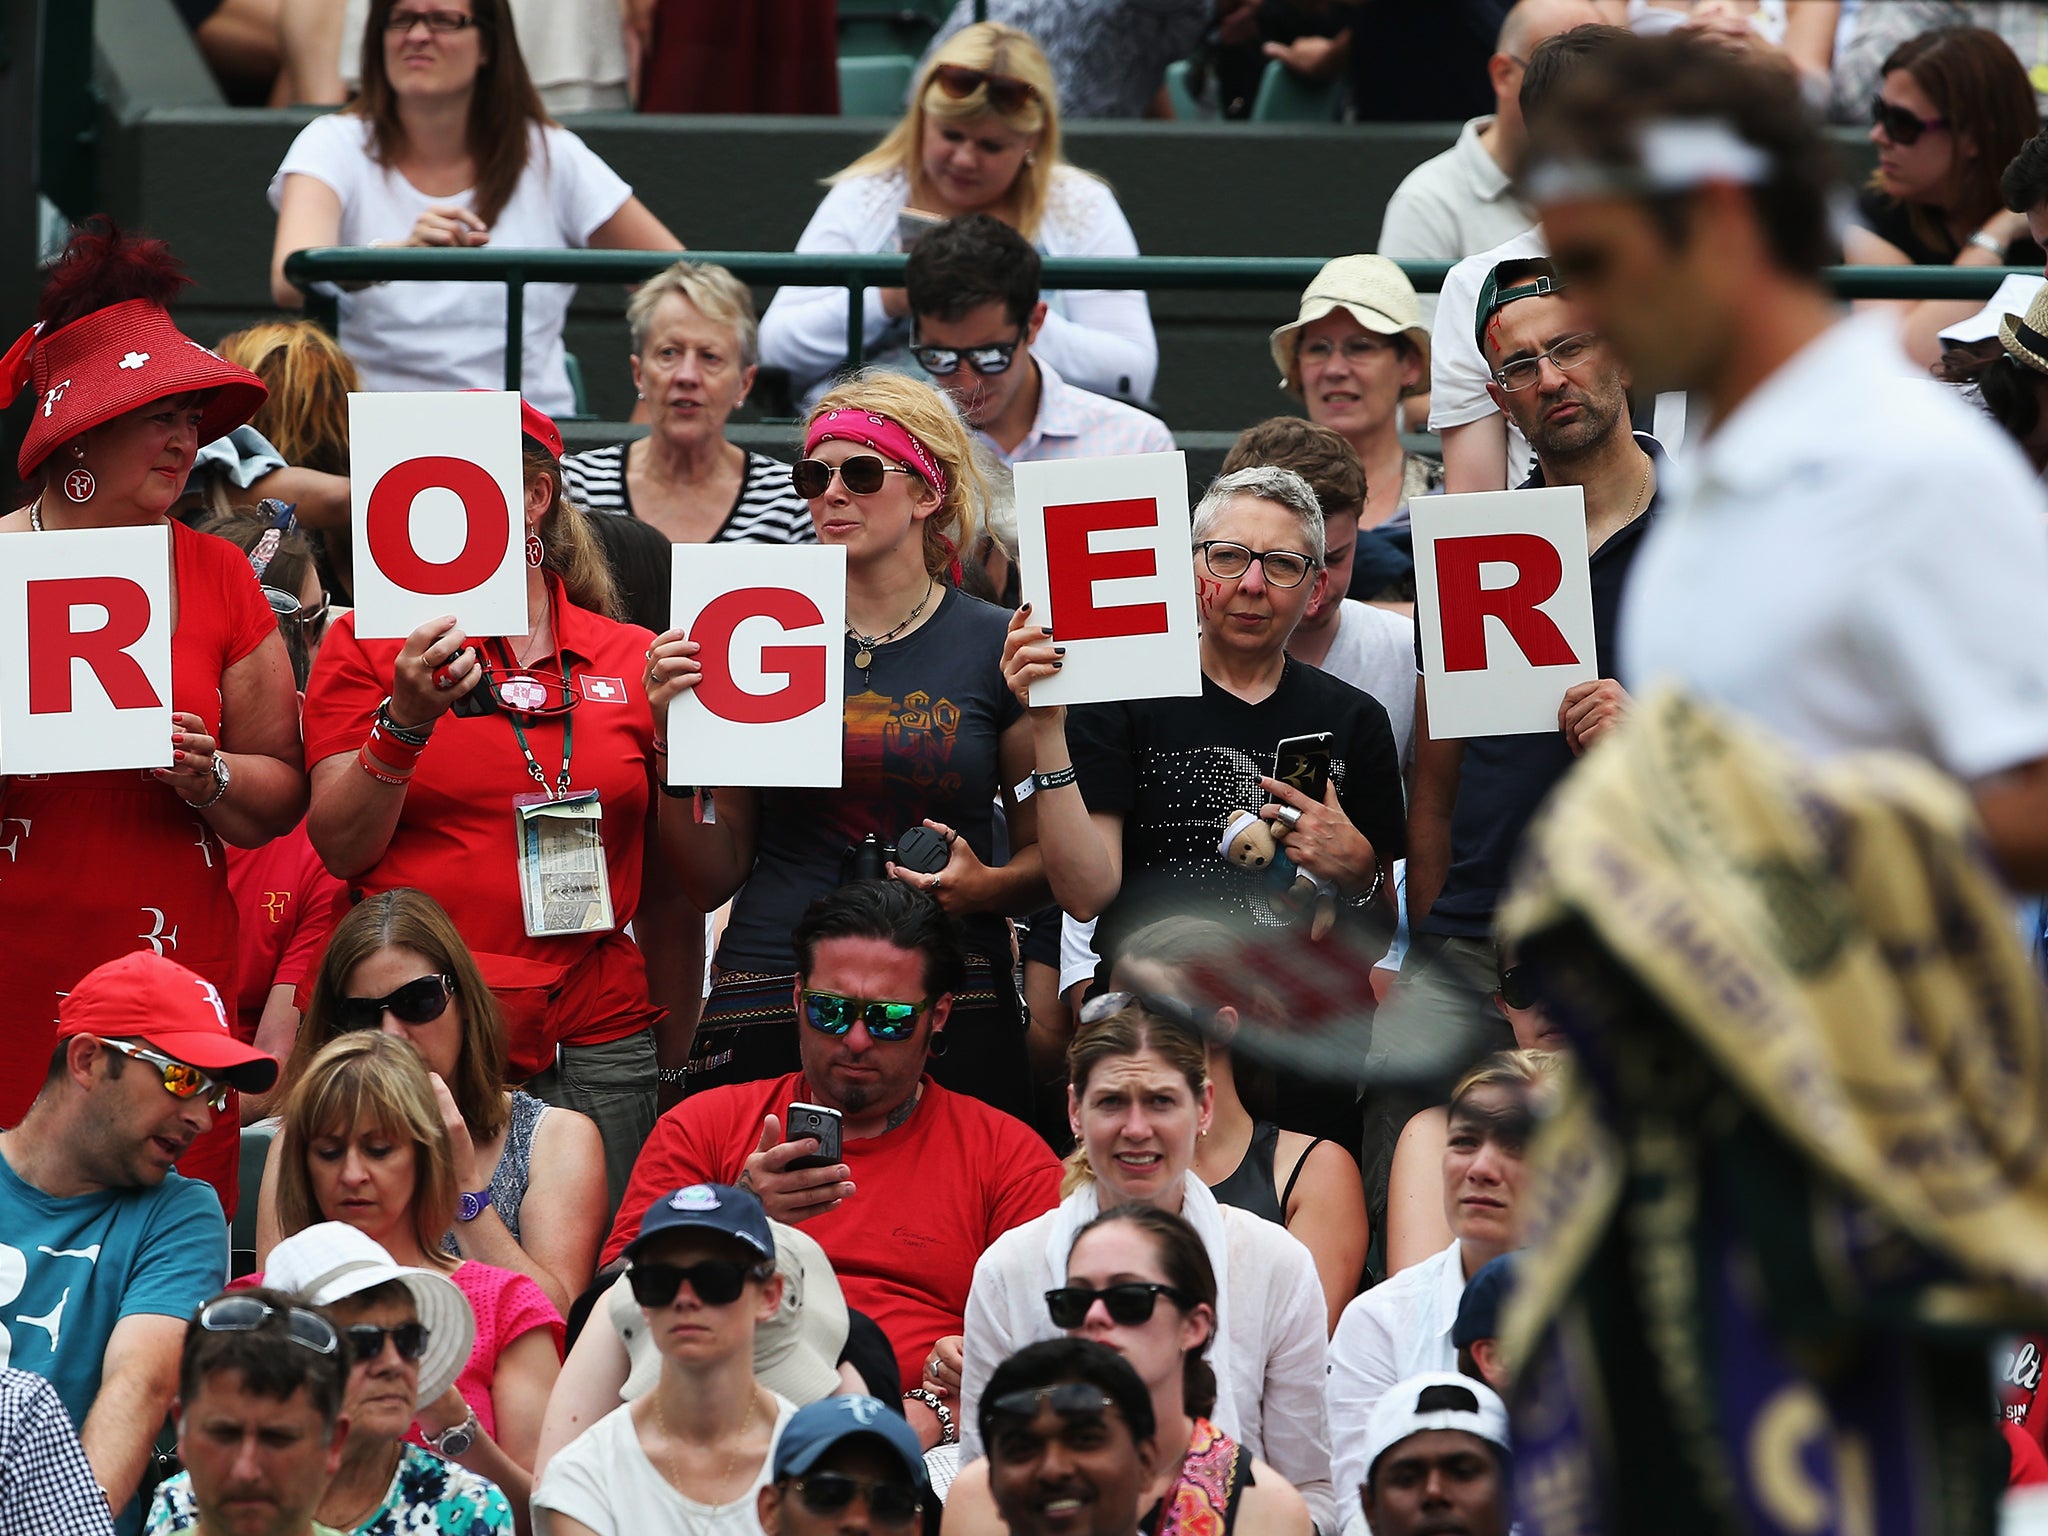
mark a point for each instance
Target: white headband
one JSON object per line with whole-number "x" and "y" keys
{"x": 1673, "y": 156}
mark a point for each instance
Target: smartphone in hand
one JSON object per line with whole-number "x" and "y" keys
{"x": 1303, "y": 763}
{"x": 818, "y": 1122}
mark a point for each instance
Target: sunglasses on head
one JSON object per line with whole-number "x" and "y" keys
{"x": 181, "y": 1079}
{"x": 1160, "y": 1006}
{"x": 1129, "y": 1303}
{"x": 366, "y": 1341}
{"x": 1900, "y": 125}
{"x": 988, "y": 360}
{"x": 1069, "y": 1399}
{"x": 420, "y": 1001}
{"x": 715, "y": 1282}
{"x": 830, "y": 1014}
{"x": 863, "y": 475}
{"x": 245, "y": 1314}
{"x": 827, "y": 1493}
{"x": 1006, "y": 93}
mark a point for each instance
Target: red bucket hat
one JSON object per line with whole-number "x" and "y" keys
{"x": 108, "y": 363}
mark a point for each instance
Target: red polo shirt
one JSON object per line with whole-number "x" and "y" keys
{"x": 456, "y": 838}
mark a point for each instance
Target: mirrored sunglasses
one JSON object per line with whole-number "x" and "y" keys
{"x": 1006, "y": 93}
{"x": 988, "y": 361}
{"x": 827, "y": 1493}
{"x": 1129, "y": 1303}
{"x": 714, "y": 1282}
{"x": 863, "y": 474}
{"x": 830, "y": 1014}
{"x": 246, "y": 1314}
{"x": 366, "y": 1341}
{"x": 420, "y": 1001}
{"x": 1106, "y": 1004}
{"x": 181, "y": 1080}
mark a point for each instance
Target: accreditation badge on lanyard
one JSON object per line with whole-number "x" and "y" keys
{"x": 564, "y": 883}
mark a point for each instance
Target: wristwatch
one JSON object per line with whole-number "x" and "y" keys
{"x": 453, "y": 1442}
{"x": 470, "y": 1206}
{"x": 220, "y": 784}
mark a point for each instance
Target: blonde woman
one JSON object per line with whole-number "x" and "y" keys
{"x": 695, "y": 351}
{"x": 982, "y": 136}
{"x": 932, "y": 736}
{"x": 364, "y": 1143}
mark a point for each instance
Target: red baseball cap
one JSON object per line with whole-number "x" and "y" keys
{"x": 533, "y": 422}
{"x": 112, "y": 361}
{"x": 143, "y": 996}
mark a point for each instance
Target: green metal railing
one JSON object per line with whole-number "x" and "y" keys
{"x": 855, "y": 272}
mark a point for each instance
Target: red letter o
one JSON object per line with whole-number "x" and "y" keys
{"x": 389, "y": 525}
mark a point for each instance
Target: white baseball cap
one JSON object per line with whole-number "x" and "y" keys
{"x": 1399, "y": 1414}
{"x": 331, "y": 1261}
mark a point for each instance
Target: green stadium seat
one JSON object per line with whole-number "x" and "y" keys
{"x": 1185, "y": 107}
{"x": 888, "y": 26}
{"x": 1285, "y": 97}
{"x": 242, "y": 1241}
{"x": 577, "y": 392}
{"x": 874, "y": 85}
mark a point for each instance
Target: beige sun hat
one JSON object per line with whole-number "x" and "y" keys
{"x": 2026, "y": 340}
{"x": 1374, "y": 292}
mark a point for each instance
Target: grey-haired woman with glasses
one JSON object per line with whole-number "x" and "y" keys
{"x": 1135, "y": 797}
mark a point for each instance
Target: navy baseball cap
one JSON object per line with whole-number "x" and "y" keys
{"x": 1479, "y": 1308}
{"x": 817, "y": 1427}
{"x": 710, "y": 1208}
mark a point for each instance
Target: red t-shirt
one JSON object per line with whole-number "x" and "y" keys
{"x": 930, "y": 1196}
{"x": 289, "y": 905}
{"x": 456, "y": 835}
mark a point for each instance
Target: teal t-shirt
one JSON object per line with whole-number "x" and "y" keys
{"x": 73, "y": 1267}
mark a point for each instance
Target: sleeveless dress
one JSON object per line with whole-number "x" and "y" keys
{"x": 95, "y": 865}
{"x": 1203, "y": 1501}
{"x": 1253, "y": 1184}
{"x": 515, "y": 1166}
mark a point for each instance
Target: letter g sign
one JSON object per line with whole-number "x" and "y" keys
{"x": 802, "y": 666}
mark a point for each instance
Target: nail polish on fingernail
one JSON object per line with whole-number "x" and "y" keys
{"x": 1045, "y": 629}
{"x": 1059, "y": 650}
{"x": 1057, "y": 665}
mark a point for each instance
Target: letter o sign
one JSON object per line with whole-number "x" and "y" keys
{"x": 487, "y": 531}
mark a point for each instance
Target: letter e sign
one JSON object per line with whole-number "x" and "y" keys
{"x": 436, "y": 488}
{"x": 1106, "y": 561}
{"x": 1504, "y": 601}
{"x": 85, "y": 631}
{"x": 770, "y": 624}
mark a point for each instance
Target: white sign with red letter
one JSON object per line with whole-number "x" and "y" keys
{"x": 439, "y": 508}
{"x": 769, "y": 710}
{"x": 85, "y": 625}
{"x": 1103, "y": 550}
{"x": 1504, "y": 598}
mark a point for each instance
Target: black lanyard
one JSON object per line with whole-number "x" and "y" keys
{"x": 533, "y": 766}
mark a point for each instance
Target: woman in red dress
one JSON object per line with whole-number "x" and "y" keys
{"x": 554, "y": 741}
{"x": 98, "y": 864}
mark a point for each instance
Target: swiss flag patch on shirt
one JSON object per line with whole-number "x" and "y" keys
{"x": 603, "y": 690}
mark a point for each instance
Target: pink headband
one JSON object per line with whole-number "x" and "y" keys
{"x": 879, "y": 433}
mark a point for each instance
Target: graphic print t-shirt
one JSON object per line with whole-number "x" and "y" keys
{"x": 921, "y": 742}
{"x": 1177, "y": 770}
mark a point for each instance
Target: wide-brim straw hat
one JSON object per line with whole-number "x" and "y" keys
{"x": 2026, "y": 339}
{"x": 1374, "y": 292}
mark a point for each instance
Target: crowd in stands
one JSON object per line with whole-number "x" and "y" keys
{"x": 553, "y": 1231}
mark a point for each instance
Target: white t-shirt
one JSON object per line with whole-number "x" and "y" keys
{"x": 1856, "y": 560}
{"x": 1399, "y": 1328}
{"x": 1374, "y": 651}
{"x": 604, "y": 1479}
{"x": 575, "y": 51}
{"x": 1451, "y": 206}
{"x": 1458, "y": 375}
{"x": 440, "y": 336}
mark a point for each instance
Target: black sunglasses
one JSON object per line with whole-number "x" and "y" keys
{"x": 831, "y": 1014}
{"x": 246, "y": 1314}
{"x": 366, "y": 1341}
{"x": 863, "y": 474}
{"x": 988, "y": 360}
{"x": 1899, "y": 125}
{"x": 1160, "y": 1006}
{"x": 1069, "y": 1399}
{"x": 716, "y": 1282}
{"x": 1006, "y": 93}
{"x": 1514, "y": 988}
{"x": 420, "y": 1001}
{"x": 1131, "y": 1302}
{"x": 827, "y": 1493}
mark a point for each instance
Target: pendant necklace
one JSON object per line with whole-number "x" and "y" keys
{"x": 866, "y": 645}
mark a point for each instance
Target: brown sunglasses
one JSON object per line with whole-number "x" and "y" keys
{"x": 1006, "y": 93}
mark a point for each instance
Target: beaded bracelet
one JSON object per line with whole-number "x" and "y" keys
{"x": 949, "y": 1432}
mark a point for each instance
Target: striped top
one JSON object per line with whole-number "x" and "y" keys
{"x": 767, "y": 510}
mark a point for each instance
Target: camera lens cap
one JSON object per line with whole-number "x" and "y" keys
{"x": 921, "y": 851}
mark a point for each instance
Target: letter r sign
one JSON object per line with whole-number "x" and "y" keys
{"x": 1504, "y": 602}
{"x": 85, "y": 651}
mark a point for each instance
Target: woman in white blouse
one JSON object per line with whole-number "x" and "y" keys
{"x": 1139, "y": 1098}
{"x": 448, "y": 145}
{"x": 982, "y": 136}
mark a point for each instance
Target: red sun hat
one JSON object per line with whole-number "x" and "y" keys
{"x": 110, "y": 362}
{"x": 147, "y": 997}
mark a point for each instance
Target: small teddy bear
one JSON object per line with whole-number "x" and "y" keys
{"x": 1249, "y": 843}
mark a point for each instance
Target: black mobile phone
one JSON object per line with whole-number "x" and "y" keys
{"x": 1303, "y": 763}
{"x": 813, "y": 1120}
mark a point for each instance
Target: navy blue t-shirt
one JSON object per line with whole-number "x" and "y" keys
{"x": 1503, "y": 779}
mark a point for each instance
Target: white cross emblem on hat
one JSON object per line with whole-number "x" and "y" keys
{"x": 134, "y": 359}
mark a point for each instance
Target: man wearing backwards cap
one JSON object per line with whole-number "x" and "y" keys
{"x": 1684, "y": 195}
{"x": 845, "y": 1465}
{"x": 1435, "y": 1450}
{"x": 110, "y": 1250}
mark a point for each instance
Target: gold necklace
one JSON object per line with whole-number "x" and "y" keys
{"x": 731, "y": 1462}
{"x": 864, "y": 653}
{"x": 1641, "y": 490}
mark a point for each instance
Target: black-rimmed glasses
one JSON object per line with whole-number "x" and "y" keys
{"x": 420, "y": 1001}
{"x": 181, "y": 1079}
{"x": 1129, "y": 1303}
{"x": 988, "y": 360}
{"x": 1227, "y": 561}
{"x": 1564, "y": 356}
{"x": 433, "y": 21}
{"x": 246, "y": 1314}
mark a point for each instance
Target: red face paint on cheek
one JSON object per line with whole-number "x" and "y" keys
{"x": 1208, "y": 591}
